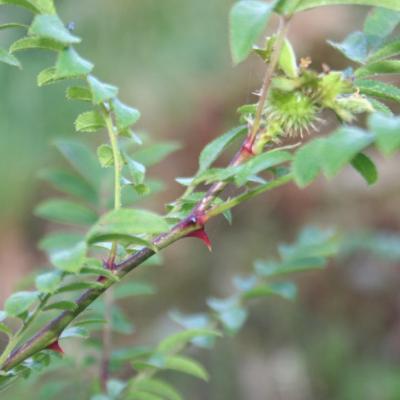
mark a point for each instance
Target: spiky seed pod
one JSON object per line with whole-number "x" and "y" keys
{"x": 290, "y": 113}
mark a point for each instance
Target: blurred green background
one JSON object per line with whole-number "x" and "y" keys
{"x": 170, "y": 58}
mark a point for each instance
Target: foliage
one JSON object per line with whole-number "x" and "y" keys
{"x": 103, "y": 227}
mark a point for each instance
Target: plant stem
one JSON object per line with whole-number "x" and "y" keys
{"x": 17, "y": 336}
{"x": 51, "y": 332}
{"x": 245, "y": 153}
{"x": 280, "y": 39}
{"x": 117, "y": 174}
{"x": 227, "y": 205}
{"x": 108, "y": 301}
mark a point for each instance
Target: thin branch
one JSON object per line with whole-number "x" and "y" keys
{"x": 276, "y": 51}
{"x": 51, "y": 332}
{"x": 246, "y": 150}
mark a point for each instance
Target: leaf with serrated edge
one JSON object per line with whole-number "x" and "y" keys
{"x": 248, "y": 18}
{"x": 101, "y": 92}
{"x": 20, "y": 302}
{"x": 51, "y": 27}
{"x": 174, "y": 343}
{"x": 213, "y": 149}
{"x": 366, "y": 167}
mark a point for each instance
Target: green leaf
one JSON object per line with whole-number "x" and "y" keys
{"x": 120, "y": 323}
{"x": 12, "y": 25}
{"x": 129, "y": 289}
{"x": 101, "y": 92}
{"x": 90, "y": 321}
{"x": 233, "y": 319}
{"x": 70, "y": 184}
{"x": 69, "y": 259}
{"x": 286, "y": 7}
{"x": 379, "y": 106}
{"x": 125, "y": 116}
{"x": 70, "y": 64}
{"x": 307, "y": 162}
{"x": 137, "y": 171}
{"x": 100, "y": 397}
{"x": 307, "y": 4}
{"x": 47, "y": 77}
{"x": 89, "y": 121}
{"x": 354, "y": 47}
{"x": 387, "y": 131}
{"x": 231, "y": 314}
{"x": 187, "y": 366}
{"x": 44, "y": 6}
{"x": 20, "y": 302}
{"x": 61, "y": 305}
{"x": 51, "y": 27}
{"x": 48, "y": 282}
{"x": 82, "y": 160}
{"x": 141, "y": 395}
{"x": 105, "y": 155}
{"x": 312, "y": 242}
{"x": 74, "y": 332}
{"x": 64, "y": 211}
{"x": 192, "y": 321}
{"x": 390, "y": 49}
{"x": 115, "y": 387}
{"x": 59, "y": 240}
{"x": 74, "y": 286}
{"x": 127, "y": 222}
{"x": 155, "y": 153}
{"x": 271, "y": 269}
{"x": 213, "y": 149}
{"x": 248, "y": 19}
{"x": 379, "y": 67}
{"x": 330, "y": 154}
{"x": 175, "y": 343}
{"x": 157, "y": 387}
{"x": 261, "y": 163}
{"x": 78, "y": 93}
{"x": 286, "y": 290}
{"x": 125, "y": 354}
{"x": 341, "y": 147}
{"x": 366, "y": 167}
{"x": 378, "y": 89}
{"x": 287, "y": 60}
{"x": 6, "y": 329}
{"x": 94, "y": 266}
{"x": 35, "y": 43}
{"x": 7, "y": 58}
{"x": 379, "y": 24}
{"x": 21, "y": 3}
{"x": 215, "y": 174}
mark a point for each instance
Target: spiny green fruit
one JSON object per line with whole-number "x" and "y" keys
{"x": 294, "y": 112}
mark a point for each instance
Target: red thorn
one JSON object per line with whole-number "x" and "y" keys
{"x": 55, "y": 346}
{"x": 202, "y": 235}
{"x": 110, "y": 265}
{"x": 247, "y": 147}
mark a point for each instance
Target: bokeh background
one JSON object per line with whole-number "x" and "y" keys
{"x": 170, "y": 58}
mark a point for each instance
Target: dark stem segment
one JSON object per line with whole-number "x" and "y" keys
{"x": 51, "y": 332}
